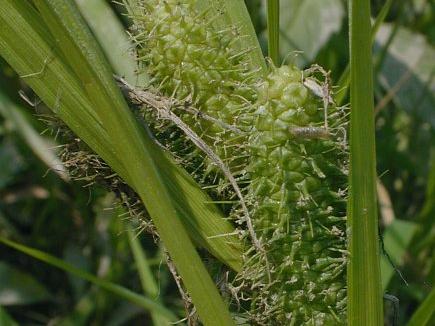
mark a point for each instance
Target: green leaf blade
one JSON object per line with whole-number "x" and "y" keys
{"x": 122, "y": 292}
{"x": 273, "y": 30}
{"x": 364, "y": 278}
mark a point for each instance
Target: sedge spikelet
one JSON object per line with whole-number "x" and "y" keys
{"x": 189, "y": 60}
{"x": 291, "y": 159}
{"x": 298, "y": 174}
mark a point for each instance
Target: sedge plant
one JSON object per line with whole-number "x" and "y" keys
{"x": 267, "y": 142}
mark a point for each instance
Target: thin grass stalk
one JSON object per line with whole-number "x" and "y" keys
{"x": 425, "y": 311}
{"x": 344, "y": 80}
{"x": 273, "y": 30}
{"x": 365, "y": 304}
{"x": 381, "y": 17}
{"x": 239, "y": 16}
{"x": 38, "y": 144}
{"x": 149, "y": 285}
{"x": 139, "y": 300}
{"x": 111, "y": 35}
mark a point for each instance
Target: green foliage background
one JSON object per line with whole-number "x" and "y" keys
{"x": 42, "y": 209}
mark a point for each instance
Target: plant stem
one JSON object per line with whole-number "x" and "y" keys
{"x": 365, "y": 304}
{"x": 273, "y": 30}
{"x": 344, "y": 80}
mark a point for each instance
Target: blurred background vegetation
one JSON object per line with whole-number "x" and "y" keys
{"x": 41, "y": 208}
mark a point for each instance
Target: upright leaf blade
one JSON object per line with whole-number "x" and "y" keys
{"x": 273, "y": 30}
{"x": 148, "y": 283}
{"x": 113, "y": 39}
{"x": 236, "y": 14}
{"x": 343, "y": 82}
{"x": 364, "y": 278}
{"x": 38, "y": 144}
{"x": 424, "y": 312}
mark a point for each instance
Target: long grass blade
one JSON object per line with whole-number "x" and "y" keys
{"x": 344, "y": 80}
{"x": 273, "y": 30}
{"x": 203, "y": 220}
{"x": 364, "y": 278}
{"x": 236, "y": 14}
{"x": 424, "y": 312}
{"x": 38, "y": 144}
{"x": 113, "y": 39}
{"x": 141, "y": 301}
{"x": 148, "y": 283}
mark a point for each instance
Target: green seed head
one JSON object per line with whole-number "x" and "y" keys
{"x": 292, "y": 150}
{"x": 188, "y": 59}
{"x": 298, "y": 195}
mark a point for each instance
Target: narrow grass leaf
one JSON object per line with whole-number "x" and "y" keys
{"x": 273, "y": 30}
{"x": 203, "y": 220}
{"x": 424, "y": 312}
{"x": 381, "y": 17}
{"x": 131, "y": 141}
{"x": 148, "y": 283}
{"x": 40, "y": 146}
{"x": 120, "y": 291}
{"x": 344, "y": 80}
{"x": 113, "y": 39}
{"x": 364, "y": 278}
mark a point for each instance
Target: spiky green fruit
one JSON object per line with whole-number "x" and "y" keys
{"x": 297, "y": 164}
{"x": 298, "y": 175}
{"x": 190, "y": 60}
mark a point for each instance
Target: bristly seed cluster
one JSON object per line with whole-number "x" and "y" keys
{"x": 89, "y": 168}
{"x": 298, "y": 195}
{"x": 290, "y": 158}
{"x": 276, "y": 147}
{"x": 189, "y": 60}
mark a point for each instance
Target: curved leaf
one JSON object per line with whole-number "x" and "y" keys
{"x": 425, "y": 311}
{"x": 122, "y": 292}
